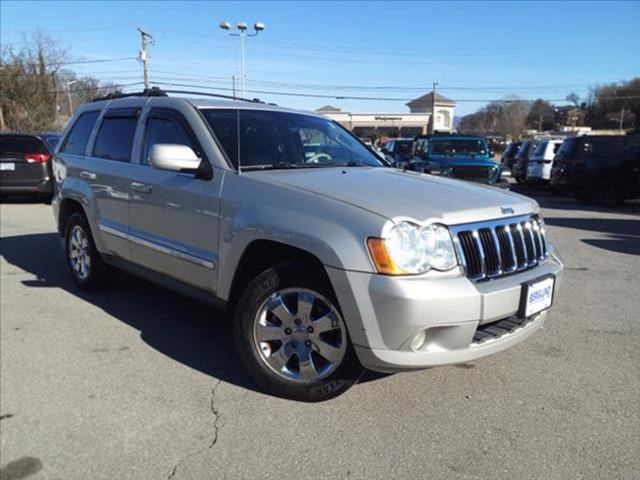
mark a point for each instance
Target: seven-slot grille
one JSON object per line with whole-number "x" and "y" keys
{"x": 493, "y": 249}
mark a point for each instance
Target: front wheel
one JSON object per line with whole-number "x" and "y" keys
{"x": 291, "y": 337}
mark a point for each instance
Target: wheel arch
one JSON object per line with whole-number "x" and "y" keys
{"x": 262, "y": 254}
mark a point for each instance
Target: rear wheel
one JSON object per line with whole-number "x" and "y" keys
{"x": 291, "y": 337}
{"x": 85, "y": 263}
{"x": 609, "y": 192}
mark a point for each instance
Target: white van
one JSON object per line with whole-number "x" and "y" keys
{"x": 541, "y": 160}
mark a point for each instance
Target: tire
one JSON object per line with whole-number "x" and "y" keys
{"x": 289, "y": 360}
{"x": 88, "y": 270}
{"x": 584, "y": 194}
{"x": 609, "y": 192}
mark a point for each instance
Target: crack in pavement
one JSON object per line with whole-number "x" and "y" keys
{"x": 216, "y": 417}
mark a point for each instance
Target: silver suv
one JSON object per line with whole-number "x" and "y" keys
{"x": 329, "y": 261}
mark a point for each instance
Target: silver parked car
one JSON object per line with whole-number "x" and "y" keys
{"x": 329, "y": 261}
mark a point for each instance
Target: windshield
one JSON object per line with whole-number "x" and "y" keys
{"x": 269, "y": 139}
{"x": 457, "y": 147}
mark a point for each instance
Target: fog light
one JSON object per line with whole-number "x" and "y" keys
{"x": 419, "y": 340}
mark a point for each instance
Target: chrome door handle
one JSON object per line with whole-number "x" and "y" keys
{"x": 87, "y": 175}
{"x": 141, "y": 187}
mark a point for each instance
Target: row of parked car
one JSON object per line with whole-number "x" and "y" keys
{"x": 449, "y": 155}
{"x": 605, "y": 168}
{"x": 25, "y": 166}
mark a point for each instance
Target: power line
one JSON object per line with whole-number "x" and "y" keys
{"x": 103, "y": 60}
{"x": 102, "y": 87}
{"x": 357, "y": 97}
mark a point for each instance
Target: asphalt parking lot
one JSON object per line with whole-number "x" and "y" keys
{"x": 142, "y": 383}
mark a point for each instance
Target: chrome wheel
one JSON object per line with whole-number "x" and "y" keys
{"x": 79, "y": 252}
{"x": 300, "y": 335}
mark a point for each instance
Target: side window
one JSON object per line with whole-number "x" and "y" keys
{"x": 165, "y": 130}
{"x": 115, "y": 138}
{"x": 76, "y": 141}
{"x": 604, "y": 148}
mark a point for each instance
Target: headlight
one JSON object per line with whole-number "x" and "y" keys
{"x": 411, "y": 249}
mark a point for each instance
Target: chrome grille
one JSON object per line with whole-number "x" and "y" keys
{"x": 494, "y": 249}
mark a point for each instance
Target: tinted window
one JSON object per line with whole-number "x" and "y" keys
{"x": 164, "y": 130}
{"x": 269, "y": 138}
{"x": 568, "y": 148}
{"x": 403, "y": 147}
{"x": 522, "y": 151}
{"x": 15, "y": 145}
{"x": 540, "y": 149}
{"x": 52, "y": 142}
{"x": 604, "y": 147}
{"x": 115, "y": 138}
{"x": 459, "y": 147}
{"x": 76, "y": 141}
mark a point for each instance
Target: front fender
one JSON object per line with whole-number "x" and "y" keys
{"x": 332, "y": 231}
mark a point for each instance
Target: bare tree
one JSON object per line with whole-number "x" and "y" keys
{"x": 29, "y": 82}
{"x": 573, "y": 98}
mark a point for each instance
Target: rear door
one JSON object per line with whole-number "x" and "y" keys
{"x": 174, "y": 215}
{"x": 109, "y": 172}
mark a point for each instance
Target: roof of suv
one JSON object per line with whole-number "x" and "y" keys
{"x": 196, "y": 102}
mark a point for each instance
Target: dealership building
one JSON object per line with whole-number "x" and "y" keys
{"x": 410, "y": 124}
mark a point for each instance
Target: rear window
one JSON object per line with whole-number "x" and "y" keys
{"x": 15, "y": 145}
{"x": 115, "y": 138}
{"x": 568, "y": 148}
{"x": 76, "y": 141}
{"x": 540, "y": 148}
{"x": 402, "y": 147}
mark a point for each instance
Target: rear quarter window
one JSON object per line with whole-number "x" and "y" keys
{"x": 76, "y": 141}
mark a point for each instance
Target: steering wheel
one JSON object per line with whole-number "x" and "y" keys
{"x": 318, "y": 157}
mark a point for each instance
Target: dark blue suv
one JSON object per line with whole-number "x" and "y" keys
{"x": 457, "y": 156}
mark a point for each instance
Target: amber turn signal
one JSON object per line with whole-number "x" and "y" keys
{"x": 381, "y": 258}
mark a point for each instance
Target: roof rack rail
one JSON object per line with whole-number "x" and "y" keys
{"x": 216, "y": 95}
{"x": 147, "y": 92}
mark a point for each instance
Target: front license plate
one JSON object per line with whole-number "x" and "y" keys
{"x": 7, "y": 166}
{"x": 537, "y": 296}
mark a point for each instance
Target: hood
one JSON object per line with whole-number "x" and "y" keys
{"x": 393, "y": 193}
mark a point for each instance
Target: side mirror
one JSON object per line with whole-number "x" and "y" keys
{"x": 177, "y": 158}
{"x": 492, "y": 154}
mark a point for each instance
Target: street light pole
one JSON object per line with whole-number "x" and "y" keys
{"x": 242, "y": 33}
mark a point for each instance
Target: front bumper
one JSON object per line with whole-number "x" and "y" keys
{"x": 385, "y": 313}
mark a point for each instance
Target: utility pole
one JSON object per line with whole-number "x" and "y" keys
{"x": 69, "y": 96}
{"x": 621, "y": 117}
{"x": 144, "y": 57}
{"x": 540, "y": 123}
{"x": 433, "y": 109}
{"x": 233, "y": 85}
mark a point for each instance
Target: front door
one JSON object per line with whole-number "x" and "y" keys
{"x": 174, "y": 216}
